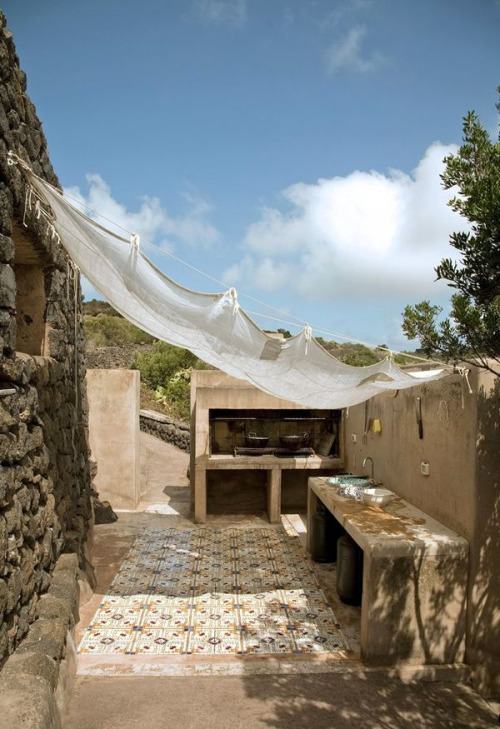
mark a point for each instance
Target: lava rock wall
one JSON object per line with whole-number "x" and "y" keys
{"x": 45, "y": 485}
{"x": 171, "y": 431}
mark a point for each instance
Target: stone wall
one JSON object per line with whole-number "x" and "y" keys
{"x": 45, "y": 490}
{"x": 37, "y": 679}
{"x": 113, "y": 358}
{"x": 171, "y": 431}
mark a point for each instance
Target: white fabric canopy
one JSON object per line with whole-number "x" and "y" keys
{"x": 213, "y": 326}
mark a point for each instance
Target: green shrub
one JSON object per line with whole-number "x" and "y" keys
{"x": 176, "y": 394}
{"x": 158, "y": 366}
{"x": 357, "y": 355}
{"x": 107, "y": 330}
{"x": 96, "y": 306}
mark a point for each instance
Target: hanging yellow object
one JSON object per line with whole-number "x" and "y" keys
{"x": 377, "y": 426}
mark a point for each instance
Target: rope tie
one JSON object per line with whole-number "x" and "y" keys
{"x": 68, "y": 278}
{"x": 308, "y": 336}
{"x": 72, "y": 275}
{"x": 135, "y": 243}
{"x": 464, "y": 373}
{"x": 76, "y": 288}
{"x": 233, "y": 295}
{"x": 13, "y": 159}
{"x": 54, "y": 235}
{"x": 28, "y": 202}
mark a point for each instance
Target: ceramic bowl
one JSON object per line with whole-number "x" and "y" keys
{"x": 377, "y": 496}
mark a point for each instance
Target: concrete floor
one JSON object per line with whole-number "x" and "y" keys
{"x": 342, "y": 698}
{"x": 325, "y": 701}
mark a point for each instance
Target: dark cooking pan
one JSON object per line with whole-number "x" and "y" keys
{"x": 256, "y": 441}
{"x": 294, "y": 442}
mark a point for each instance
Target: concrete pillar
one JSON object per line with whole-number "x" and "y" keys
{"x": 113, "y": 397}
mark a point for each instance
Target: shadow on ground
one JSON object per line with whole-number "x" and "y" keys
{"x": 321, "y": 701}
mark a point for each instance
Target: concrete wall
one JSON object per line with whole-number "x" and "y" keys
{"x": 113, "y": 397}
{"x": 448, "y": 446}
{"x": 461, "y": 444}
{"x": 483, "y": 630}
{"x": 45, "y": 489}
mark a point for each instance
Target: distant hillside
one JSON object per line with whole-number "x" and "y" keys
{"x": 113, "y": 342}
{"x": 96, "y": 307}
{"x": 105, "y": 327}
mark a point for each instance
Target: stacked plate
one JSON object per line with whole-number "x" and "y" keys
{"x": 351, "y": 487}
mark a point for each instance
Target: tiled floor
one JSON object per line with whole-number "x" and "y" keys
{"x": 206, "y": 591}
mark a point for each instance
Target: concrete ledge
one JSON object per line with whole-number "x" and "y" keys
{"x": 37, "y": 679}
{"x": 253, "y": 665}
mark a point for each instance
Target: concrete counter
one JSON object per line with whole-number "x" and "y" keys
{"x": 272, "y": 464}
{"x": 414, "y": 579}
{"x": 397, "y": 528}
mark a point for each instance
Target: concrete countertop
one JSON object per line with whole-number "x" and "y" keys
{"x": 269, "y": 461}
{"x": 393, "y": 530}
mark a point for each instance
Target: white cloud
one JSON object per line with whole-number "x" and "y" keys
{"x": 341, "y": 11}
{"x": 364, "y": 236}
{"x": 347, "y": 53}
{"x": 151, "y": 222}
{"x": 230, "y": 12}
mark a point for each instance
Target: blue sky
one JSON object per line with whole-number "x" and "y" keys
{"x": 289, "y": 148}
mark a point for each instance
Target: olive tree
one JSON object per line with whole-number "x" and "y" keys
{"x": 471, "y": 332}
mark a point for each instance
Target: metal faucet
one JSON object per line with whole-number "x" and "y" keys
{"x": 369, "y": 458}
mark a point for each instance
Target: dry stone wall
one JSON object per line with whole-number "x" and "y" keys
{"x": 45, "y": 488}
{"x": 171, "y": 431}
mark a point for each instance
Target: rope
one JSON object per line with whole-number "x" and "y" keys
{"x": 76, "y": 288}
{"x": 233, "y": 294}
{"x": 135, "y": 242}
{"x": 308, "y": 337}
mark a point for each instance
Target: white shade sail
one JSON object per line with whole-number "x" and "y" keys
{"x": 213, "y": 326}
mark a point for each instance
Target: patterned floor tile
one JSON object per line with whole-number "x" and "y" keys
{"x": 214, "y": 591}
{"x": 173, "y": 616}
{"x": 319, "y": 639}
{"x": 124, "y": 599}
{"x": 215, "y": 641}
{"x": 215, "y": 617}
{"x": 107, "y": 641}
{"x": 160, "y": 641}
{"x": 115, "y": 618}
{"x": 269, "y": 641}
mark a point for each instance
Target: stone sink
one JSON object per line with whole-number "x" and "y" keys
{"x": 349, "y": 486}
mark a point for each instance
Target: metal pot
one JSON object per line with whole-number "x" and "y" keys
{"x": 294, "y": 442}
{"x": 256, "y": 441}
